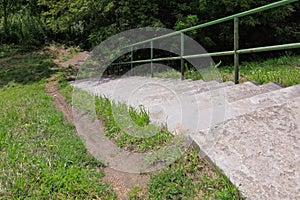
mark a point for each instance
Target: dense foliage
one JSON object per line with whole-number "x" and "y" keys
{"x": 88, "y": 22}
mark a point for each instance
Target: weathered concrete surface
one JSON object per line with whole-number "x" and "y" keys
{"x": 271, "y": 86}
{"x": 257, "y": 146}
{"x": 260, "y": 151}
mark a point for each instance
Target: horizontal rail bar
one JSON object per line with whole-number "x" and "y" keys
{"x": 222, "y": 53}
{"x": 224, "y": 19}
{"x": 270, "y": 48}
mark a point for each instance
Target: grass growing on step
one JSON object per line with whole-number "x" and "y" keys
{"x": 190, "y": 177}
{"x": 137, "y": 193}
{"x": 40, "y": 155}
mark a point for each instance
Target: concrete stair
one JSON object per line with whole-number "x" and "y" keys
{"x": 259, "y": 150}
{"x": 251, "y": 132}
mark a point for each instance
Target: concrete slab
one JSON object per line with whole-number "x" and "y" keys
{"x": 271, "y": 86}
{"x": 260, "y": 151}
{"x": 210, "y": 117}
{"x": 201, "y": 111}
{"x": 145, "y": 88}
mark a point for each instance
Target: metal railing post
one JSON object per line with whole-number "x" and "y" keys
{"x": 151, "y": 57}
{"x": 236, "y": 48}
{"x": 131, "y": 59}
{"x": 182, "y": 54}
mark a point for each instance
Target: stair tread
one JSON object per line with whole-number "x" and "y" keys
{"x": 259, "y": 149}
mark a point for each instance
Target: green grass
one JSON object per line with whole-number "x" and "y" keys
{"x": 25, "y": 68}
{"x": 130, "y": 128}
{"x": 9, "y": 50}
{"x": 190, "y": 177}
{"x": 40, "y": 155}
{"x": 284, "y": 70}
{"x": 168, "y": 74}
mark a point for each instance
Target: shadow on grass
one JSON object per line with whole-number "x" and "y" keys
{"x": 24, "y": 67}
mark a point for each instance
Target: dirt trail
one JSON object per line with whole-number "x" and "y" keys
{"x": 122, "y": 182}
{"x": 59, "y": 100}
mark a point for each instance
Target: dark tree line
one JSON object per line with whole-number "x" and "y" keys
{"x": 88, "y": 22}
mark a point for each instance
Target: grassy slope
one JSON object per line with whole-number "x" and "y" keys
{"x": 40, "y": 155}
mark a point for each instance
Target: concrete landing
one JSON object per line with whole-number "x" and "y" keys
{"x": 251, "y": 132}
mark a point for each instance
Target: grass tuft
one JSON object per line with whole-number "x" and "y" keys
{"x": 191, "y": 177}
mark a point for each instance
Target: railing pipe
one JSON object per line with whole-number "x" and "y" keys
{"x": 222, "y": 53}
{"x": 270, "y": 48}
{"x": 151, "y": 57}
{"x": 181, "y": 55}
{"x": 131, "y": 60}
{"x": 236, "y": 48}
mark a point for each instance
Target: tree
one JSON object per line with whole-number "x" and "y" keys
{"x": 4, "y": 6}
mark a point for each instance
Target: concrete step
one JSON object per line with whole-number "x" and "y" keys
{"x": 157, "y": 86}
{"x": 143, "y": 88}
{"x": 166, "y": 94}
{"x": 185, "y": 116}
{"x": 211, "y": 116}
{"x": 260, "y": 150}
{"x": 202, "y": 110}
{"x": 272, "y": 86}
{"x": 126, "y": 82}
{"x": 207, "y": 86}
{"x": 107, "y": 86}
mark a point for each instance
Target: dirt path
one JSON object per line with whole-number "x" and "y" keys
{"x": 59, "y": 100}
{"x": 122, "y": 182}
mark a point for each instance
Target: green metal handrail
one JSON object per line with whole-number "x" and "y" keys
{"x": 234, "y": 52}
{"x": 222, "y": 53}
